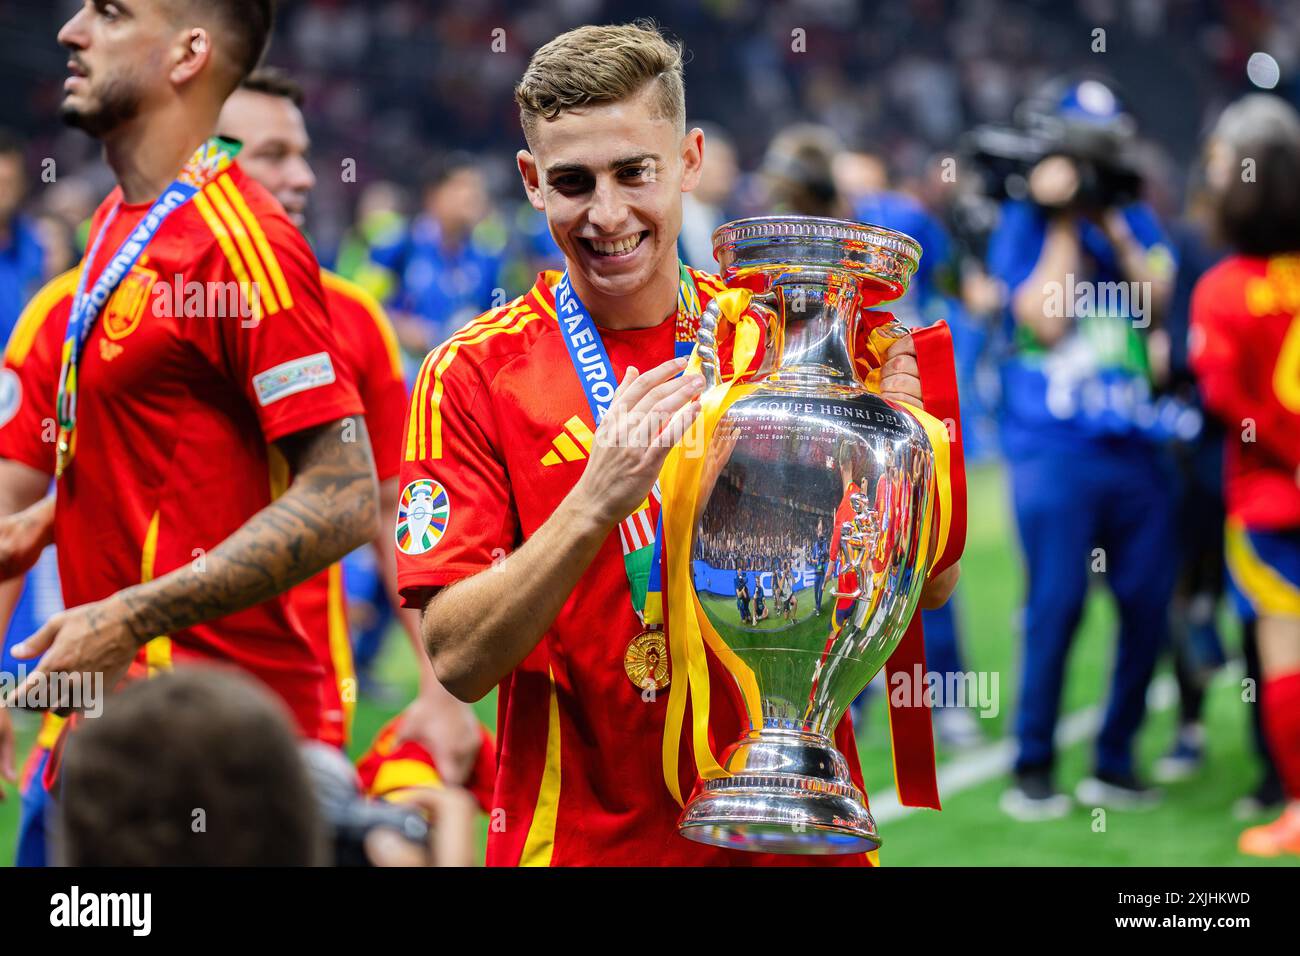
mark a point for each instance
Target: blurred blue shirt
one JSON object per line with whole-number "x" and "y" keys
{"x": 444, "y": 287}
{"x": 1091, "y": 390}
{"x": 22, "y": 271}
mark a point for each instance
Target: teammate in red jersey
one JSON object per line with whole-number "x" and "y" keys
{"x": 203, "y": 455}
{"x": 1245, "y": 349}
{"x": 265, "y": 115}
{"x": 511, "y": 494}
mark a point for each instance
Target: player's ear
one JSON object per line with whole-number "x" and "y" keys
{"x": 190, "y": 55}
{"x": 530, "y": 174}
{"x": 692, "y": 159}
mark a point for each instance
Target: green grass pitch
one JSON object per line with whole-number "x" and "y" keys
{"x": 1194, "y": 826}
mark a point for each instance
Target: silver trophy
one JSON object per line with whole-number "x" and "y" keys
{"x": 813, "y": 540}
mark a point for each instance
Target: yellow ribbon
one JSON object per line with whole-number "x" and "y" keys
{"x": 689, "y": 630}
{"x": 937, "y": 432}
{"x": 680, "y": 480}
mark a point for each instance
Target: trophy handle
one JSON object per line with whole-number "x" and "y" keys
{"x": 706, "y": 339}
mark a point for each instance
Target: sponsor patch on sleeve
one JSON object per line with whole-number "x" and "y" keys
{"x": 290, "y": 378}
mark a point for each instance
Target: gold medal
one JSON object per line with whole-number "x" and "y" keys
{"x": 646, "y": 660}
{"x": 61, "y": 454}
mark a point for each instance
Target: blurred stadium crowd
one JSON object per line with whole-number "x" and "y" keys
{"x": 416, "y": 198}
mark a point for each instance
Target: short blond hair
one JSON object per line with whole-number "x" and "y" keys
{"x": 602, "y": 64}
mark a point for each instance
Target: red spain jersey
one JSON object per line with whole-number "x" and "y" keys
{"x": 368, "y": 346}
{"x": 183, "y": 389}
{"x": 1245, "y": 349}
{"x": 498, "y": 434}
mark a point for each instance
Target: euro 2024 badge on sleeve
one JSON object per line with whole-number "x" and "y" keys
{"x": 422, "y": 514}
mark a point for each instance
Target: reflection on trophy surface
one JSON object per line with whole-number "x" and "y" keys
{"x": 813, "y": 539}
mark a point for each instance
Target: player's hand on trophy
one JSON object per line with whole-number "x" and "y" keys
{"x": 649, "y": 413}
{"x": 448, "y": 729}
{"x": 900, "y": 376}
{"x": 89, "y": 647}
{"x": 23, "y": 535}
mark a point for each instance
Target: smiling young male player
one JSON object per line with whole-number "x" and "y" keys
{"x": 513, "y": 489}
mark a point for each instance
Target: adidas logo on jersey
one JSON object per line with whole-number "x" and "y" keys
{"x": 572, "y": 444}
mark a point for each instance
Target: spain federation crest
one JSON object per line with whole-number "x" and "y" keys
{"x": 422, "y": 514}
{"x": 126, "y": 307}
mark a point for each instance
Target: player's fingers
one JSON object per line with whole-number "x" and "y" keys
{"x": 677, "y": 428}
{"x": 908, "y": 385}
{"x": 908, "y": 396}
{"x": 39, "y": 642}
{"x": 902, "y": 346}
{"x": 902, "y": 363}
{"x": 671, "y": 394}
{"x": 661, "y": 403}
{"x": 645, "y": 381}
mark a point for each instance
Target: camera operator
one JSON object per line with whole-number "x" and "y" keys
{"x": 1086, "y": 270}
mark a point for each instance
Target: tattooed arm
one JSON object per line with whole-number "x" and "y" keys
{"x": 328, "y": 510}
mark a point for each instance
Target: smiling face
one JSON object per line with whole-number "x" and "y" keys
{"x": 610, "y": 178}
{"x": 275, "y": 146}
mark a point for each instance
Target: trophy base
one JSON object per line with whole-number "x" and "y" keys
{"x": 789, "y": 792}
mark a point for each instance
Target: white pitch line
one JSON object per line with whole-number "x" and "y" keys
{"x": 995, "y": 760}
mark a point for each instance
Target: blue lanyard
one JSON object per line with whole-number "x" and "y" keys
{"x": 207, "y": 162}
{"x": 596, "y": 374}
{"x": 86, "y": 306}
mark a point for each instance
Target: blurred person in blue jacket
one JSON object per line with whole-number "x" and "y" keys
{"x": 1086, "y": 274}
{"x": 22, "y": 257}
{"x": 446, "y": 265}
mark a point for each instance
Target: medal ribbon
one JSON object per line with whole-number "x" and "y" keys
{"x": 207, "y": 162}
{"x": 596, "y": 375}
{"x": 681, "y": 479}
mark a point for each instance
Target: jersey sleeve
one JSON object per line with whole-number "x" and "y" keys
{"x": 30, "y": 377}
{"x": 381, "y": 385}
{"x": 456, "y": 515}
{"x": 284, "y": 357}
{"x": 1232, "y": 382}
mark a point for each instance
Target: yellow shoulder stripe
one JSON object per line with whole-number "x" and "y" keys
{"x": 424, "y": 434}
{"x": 215, "y": 223}
{"x": 357, "y": 294}
{"x": 37, "y": 311}
{"x": 259, "y": 239}
{"x": 236, "y": 229}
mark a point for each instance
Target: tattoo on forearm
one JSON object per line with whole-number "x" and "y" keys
{"x": 329, "y": 509}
